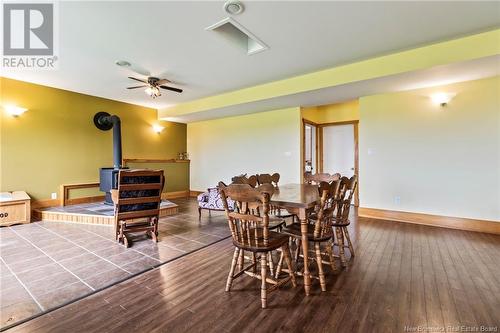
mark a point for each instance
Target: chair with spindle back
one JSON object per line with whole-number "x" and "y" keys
{"x": 250, "y": 232}
{"x": 320, "y": 177}
{"x": 341, "y": 218}
{"x": 266, "y": 178}
{"x": 274, "y": 180}
{"x": 320, "y": 230}
{"x": 243, "y": 179}
{"x": 137, "y": 203}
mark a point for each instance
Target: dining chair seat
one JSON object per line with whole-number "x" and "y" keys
{"x": 256, "y": 242}
{"x": 295, "y": 231}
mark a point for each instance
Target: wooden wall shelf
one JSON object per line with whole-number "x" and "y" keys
{"x": 152, "y": 160}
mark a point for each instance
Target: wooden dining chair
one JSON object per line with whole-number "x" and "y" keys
{"x": 266, "y": 178}
{"x": 274, "y": 179}
{"x": 341, "y": 218}
{"x": 243, "y": 179}
{"x": 137, "y": 203}
{"x": 320, "y": 231}
{"x": 320, "y": 177}
{"x": 250, "y": 232}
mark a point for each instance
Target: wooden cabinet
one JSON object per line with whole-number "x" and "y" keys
{"x": 15, "y": 208}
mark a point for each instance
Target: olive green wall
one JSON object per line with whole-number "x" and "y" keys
{"x": 55, "y": 142}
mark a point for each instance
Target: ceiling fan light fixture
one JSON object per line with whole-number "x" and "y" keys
{"x": 233, "y": 7}
{"x": 152, "y": 91}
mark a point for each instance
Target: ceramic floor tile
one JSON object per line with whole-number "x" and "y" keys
{"x": 40, "y": 272}
{"x": 14, "y": 295}
{"x": 48, "y": 283}
{"x": 95, "y": 268}
{"x": 107, "y": 278}
{"x": 18, "y": 311}
{"x": 29, "y": 264}
{"x": 62, "y": 295}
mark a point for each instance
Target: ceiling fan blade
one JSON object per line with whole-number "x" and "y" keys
{"x": 162, "y": 81}
{"x": 137, "y": 87}
{"x": 171, "y": 88}
{"x": 133, "y": 78}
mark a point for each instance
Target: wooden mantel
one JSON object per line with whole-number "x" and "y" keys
{"x": 152, "y": 160}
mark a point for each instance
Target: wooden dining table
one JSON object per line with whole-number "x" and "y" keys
{"x": 299, "y": 199}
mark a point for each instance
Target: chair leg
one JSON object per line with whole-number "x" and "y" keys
{"x": 263, "y": 275}
{"x": 241, "y": 260}
{"x": 231, "y": 270}
{"x": 319, "y": 262}
{"x": 348, "y": 238}
{"x": 340, "y": 241}
{"x": 280, "y": 263}
{"x": 271, "y": 263}
{"x": 254, "y": 262}
{"x": 199, "y": 213}
{"x": 285, "y": 252}
{"x": 297, "y": 252}
{"x": 329, "y": 251}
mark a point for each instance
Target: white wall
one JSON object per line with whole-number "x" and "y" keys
{"x": 443, "y": 161}
{"x": 264, "y": 142}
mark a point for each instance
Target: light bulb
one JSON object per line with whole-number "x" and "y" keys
{"x": 442, "y": 98}
{"x": 157, "y": 128}
{"x": 15, "y": 111}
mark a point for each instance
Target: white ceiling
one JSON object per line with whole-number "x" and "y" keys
{"x": 169, "y": 39}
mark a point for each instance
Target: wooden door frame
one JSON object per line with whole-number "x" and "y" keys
{"x": 319, "y": 158}
{"x": 304, "y": 123}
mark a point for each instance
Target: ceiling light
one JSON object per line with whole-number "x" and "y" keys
{"x": 233, "y": 7}
{"x": 15, "y": 111}
{"x": 152, "y": 91}
{"x": 123, "y": 63}
{"x": 157, "y": 128}
{"x": 442, "y": 98}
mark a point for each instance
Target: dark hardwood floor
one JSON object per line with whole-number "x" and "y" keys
{"x": 404, "y": 277}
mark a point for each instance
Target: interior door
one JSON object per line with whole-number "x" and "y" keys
{"x": 309, "y": 148}
{"x": 338, "y": 153}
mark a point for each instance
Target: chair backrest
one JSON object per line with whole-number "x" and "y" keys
{"x": 243, "y": 179}
{"x": 138, "y": 194}
{"x": 320, "y": 177}
{"x": 344, "y": 200}
{"x": 266, "y": 178}
{"x": 329, "y": 193}
{"x": 249, "y": 226}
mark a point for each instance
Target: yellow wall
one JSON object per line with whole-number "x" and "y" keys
{"x": 264, "y": 142}
{"x": 56, "y": 142}
{"x": 332, "y": 113}
{"x": 442, "y": 161}
{"x": 453, "y": 51}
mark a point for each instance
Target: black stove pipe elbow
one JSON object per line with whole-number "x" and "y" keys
{"x": 104, "y": 121}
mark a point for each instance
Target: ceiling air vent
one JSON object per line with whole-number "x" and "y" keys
{"x": 238, "y": 35}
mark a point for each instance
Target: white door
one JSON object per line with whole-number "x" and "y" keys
{"x": 338, "y": 149}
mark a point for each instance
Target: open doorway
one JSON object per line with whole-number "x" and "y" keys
{"x": 310, "y": 156}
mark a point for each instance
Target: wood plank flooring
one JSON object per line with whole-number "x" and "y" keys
{"x": 404, "y": 277}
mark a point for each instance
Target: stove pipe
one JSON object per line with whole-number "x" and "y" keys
{"x": 104, "y": 121}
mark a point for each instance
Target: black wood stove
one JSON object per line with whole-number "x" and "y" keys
{"x": 108, "y": 177}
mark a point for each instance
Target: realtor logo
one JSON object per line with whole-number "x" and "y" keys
{"x": 28, "y": 36}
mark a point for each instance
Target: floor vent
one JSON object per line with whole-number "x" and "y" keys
{"x": 238, "y": 35}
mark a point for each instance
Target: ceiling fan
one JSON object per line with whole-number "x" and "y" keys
{"x": 153, "y": 85}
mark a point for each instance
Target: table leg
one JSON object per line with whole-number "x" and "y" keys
{"x": 305, "y": 250}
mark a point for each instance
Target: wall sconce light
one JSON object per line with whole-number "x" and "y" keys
{"x": 442, "y": 98}
{"x": 15, "y": 111}
{"x": 157, "y": 128}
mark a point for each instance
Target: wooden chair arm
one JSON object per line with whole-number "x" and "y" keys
{"x": 114, "y": 196}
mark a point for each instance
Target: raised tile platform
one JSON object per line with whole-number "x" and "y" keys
{"x": 91, "y": 213}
